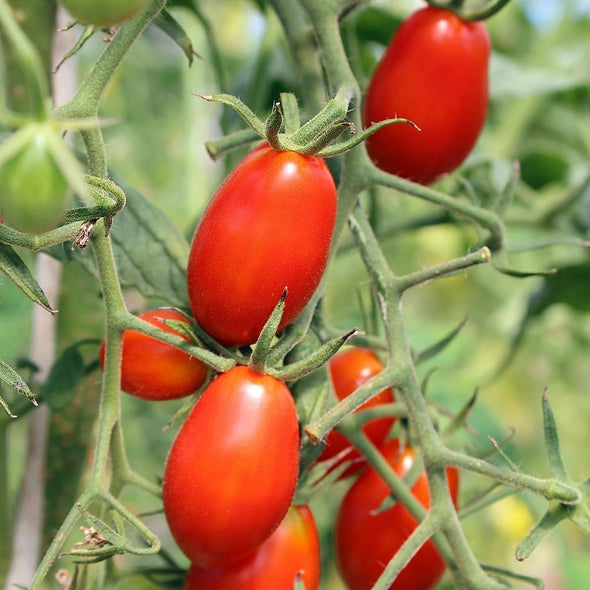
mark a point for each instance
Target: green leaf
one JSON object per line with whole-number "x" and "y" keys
{"x": 509, "y": 78}
{"x": 570, "y": 285}
{"x": 63, "y": 379}
{"x": 439, "y": 346}
{"x": 150, "y": 251}
{"x": 169, "y": 25}
{"x": 13, "y": 266}
{"x": 9, "y": 376}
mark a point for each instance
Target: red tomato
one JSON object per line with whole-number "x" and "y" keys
{"x": 154, "y": 370}
{"x": 366, "y": 540}
{"x": 293, "y": 548}
{"x": 435, "y": 73}
{"x": 232, "y": 469}
{"x": 348, "y": 371}
{"x": 268, "y": 226}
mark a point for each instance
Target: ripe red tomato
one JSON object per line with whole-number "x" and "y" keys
{"x": 366, "y": 540}
{"x": 232, "y": 469}
{"x": 154, "y": 370}
{"x": 293, "y": 548}
{"x": 268, "y": 226}
{"x": 103, "y": 13}
{"x": 348, "y": 371}
{"x": 435, "y": 73}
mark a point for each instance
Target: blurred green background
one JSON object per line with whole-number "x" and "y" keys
{"x": 539, "y": 115}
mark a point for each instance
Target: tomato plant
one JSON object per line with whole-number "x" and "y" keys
{"x": 292, "y": 549}
{"x": 435, "y": 73}
{"x": 267, "y": 227}
{"x": 33, "y": 190}
{"x": 154, "y": 370}
{"x": 103, "y": 13}
{"x": 360, "y": 525}
{"x": 232, "y": 469}
{"x": 349, "y": 370}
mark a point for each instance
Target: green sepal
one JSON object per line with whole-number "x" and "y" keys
{"x": 243, "y": 110}
{"x": 87, "y": 32}
{"x": 345, "y": 146}
{"x": 556, "y": 462}
{"x": 267, "y": 336}
{"x": 314, "y": 361}
{"x": 554, "y": 515}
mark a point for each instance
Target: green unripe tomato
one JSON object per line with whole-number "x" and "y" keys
{"x": 33, "y": 191}
{"x": 103, "y": 13}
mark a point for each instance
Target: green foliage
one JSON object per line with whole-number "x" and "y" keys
{"x": 526, "y": 185}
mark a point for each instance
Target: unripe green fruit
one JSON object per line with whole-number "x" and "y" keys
{"x": 103, "y": 13}
{"x": 33, "y": 191}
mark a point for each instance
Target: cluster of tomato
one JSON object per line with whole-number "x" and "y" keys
{"x": 231, "y": 473}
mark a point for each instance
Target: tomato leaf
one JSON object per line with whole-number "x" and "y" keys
{"x": 509, "y": 78}
{"x": 13, "y": 266}
{"x": 150, "y": 251}
{"x": 439, "y": 346}
{"x": 9, "y": 376}
{"x": 171, "y": 27}
{"x": 63, "y": 379}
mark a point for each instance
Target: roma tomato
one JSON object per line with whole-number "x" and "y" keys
{"x": 231, "y": 473}
{"x": 293, "y": 548}
{"x": 367, "y": 539}
{"x": 34, "y": 192}
{"x": 268, "y": 226}
{"x": 435, "y": 73}
{"x": 349, "y": 370}
{"x": 154, "y": 370}
{"x": 103, "y": 13}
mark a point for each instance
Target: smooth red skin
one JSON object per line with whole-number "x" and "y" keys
{"x": 349, "y": 370}
{"x": 366, "y": 541}
{"x": 232, "y": 469}
{"x": 293, "y": 548}
{"x": 154, "y": 370}
{"x": 268, "y": 226}
{"x": 435, "y": 73}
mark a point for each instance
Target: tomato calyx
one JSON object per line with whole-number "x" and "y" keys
{"x": 316, "y": 137}
{"x": 484, "y": 12}
{"x": 296, "y": 369}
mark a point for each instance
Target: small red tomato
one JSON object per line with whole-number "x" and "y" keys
{"x": 268, "y": 226}
{"x": 367, "y": 539}
{"x": 435, "y": 73}
{"x": 294, "y": 548}
{"x": 232, "y": 469}
{"x": 348, "y": 371}
{"x": 154, "y": 370}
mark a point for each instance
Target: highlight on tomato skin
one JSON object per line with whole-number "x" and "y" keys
{"x": 232, "y": 470}
{"x": 360, "y": 525}
{"x": 293, "y": 548}
{"x": 268, "y": 226}
{"x": 435, "y": 73}
{"x": 154, "y": 370}
{"x": 348, "y": 370}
